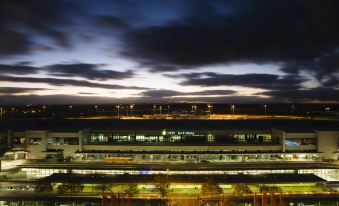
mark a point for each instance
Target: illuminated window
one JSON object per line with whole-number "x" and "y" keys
{"x": 35, "y": 141}
{"x": 175, "y": 138}
{"x": 210, "y": 138}
{"x": 140, "y": 138}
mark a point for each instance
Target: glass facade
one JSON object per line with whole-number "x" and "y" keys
{"x": 63, "y": 141}
{"x": 182, "y": 137}
{"x": 327, "y": 174}
{"x": 300, "y": 141}
{"x": 194, "y": 157}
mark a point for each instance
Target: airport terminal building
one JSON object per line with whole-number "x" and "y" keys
{"x": 172, "y": 141}
{"x": 176, "y": 141}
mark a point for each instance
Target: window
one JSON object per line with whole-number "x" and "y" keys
{"x": 175, "y": 138}
{"x": 98, "y": 138}
{"x": 210, "y": 138}
{"x": 63, "y": 141}
{"x": 300, "y": 141}
{"x": 19, "y": 140}
{"x": 35, "y": 141}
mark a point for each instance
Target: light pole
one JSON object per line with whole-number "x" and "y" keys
{"x": 131, "y": 108}
{"x": 210, "y": 107}
{"x": 118, "y": 107}
{"x": 127, "y": 110}
{"x": 154, "y": 107}
{"x": 13, "y": 112}
{"x": 265, "y": 108}
{"x": 232, "y": 108}
{"x": 194, "y": 109}
{"x": 160, "y": 110}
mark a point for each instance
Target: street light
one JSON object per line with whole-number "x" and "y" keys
{"x": 118, "y": 107}
{"x": 265, "y": 108}
{"x": 232, "y": 108}
{"x": 127, "y": 110}
{"x": 209, "y": 108}
{"x": 131, "y": 107}
{"x": 160, "y": 110}
{"x": 13, "y": 112}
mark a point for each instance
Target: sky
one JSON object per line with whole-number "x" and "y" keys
{"x": 124, "y": 51}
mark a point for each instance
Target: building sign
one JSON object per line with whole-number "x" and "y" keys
{"x": 180, "y": 133}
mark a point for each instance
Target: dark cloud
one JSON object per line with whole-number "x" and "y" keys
{"x": 322, "y": 67}
{"x": 319, "y": 94}
{"x": 263, "y": 81}
{"x": 59, "y": 99}
{"x": 20, "y": 20}
{"x": 76, "y": 99}
{"x": 291, "y": 31}
{"x": 12, "y": 42}
{"x": 66, "y": 82}
{"x": 86, "y": 93}
{"x": 19, "y": 69}
{"x": 88, "y": 71}
{"x": 332, "y": 81}
{"x": 298, "y": 35}
{"x": 18, "y": 90}
{"x": 111, "y": 22}
{"x": 162, "y": 93}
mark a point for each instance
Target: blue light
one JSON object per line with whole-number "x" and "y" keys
{"x": 291, "y": 143}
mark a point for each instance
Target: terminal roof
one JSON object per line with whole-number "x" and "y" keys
{"x": 229, "y": 179}
{"x": 74, "y": 125}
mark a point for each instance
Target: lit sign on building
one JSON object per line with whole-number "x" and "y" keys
{"x": 180, "y": 133}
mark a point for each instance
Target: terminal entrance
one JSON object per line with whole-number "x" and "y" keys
{"x": 190, "y": 157}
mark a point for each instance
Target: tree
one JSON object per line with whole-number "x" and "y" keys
{"x": 227, "y": 201}
{"x": 131, "y": 190}
{"x": 62, "y": 188}
{"x": 162, "y": 185}
{"x": 43, "y": 187}
{"x": 322, "y": 187}
{"x": 211, "y": 187}
{"x": 265, "y": 188}
{"x": 70, "y": 187}
{"x": 104, "y": 188}
{"x": 241, "y": 189}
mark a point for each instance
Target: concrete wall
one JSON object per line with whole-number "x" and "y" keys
{"x": 281, "y": 136}
{"x": 328, "y": 144}
{"x": 36, "y": 151}
{"x": 69, "y": 150}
